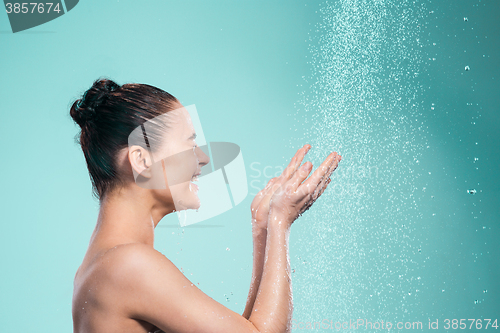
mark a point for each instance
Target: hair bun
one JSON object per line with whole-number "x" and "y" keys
{"x": 84, "y": 109}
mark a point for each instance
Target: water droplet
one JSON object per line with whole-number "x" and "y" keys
{"x": 471, "y": 191}
{"x": 182, "y": 216}
{"x": 485, "y": 291}
{"x": 228, "y": 249}
{"x": 465, "y": 19}
{"x": 467, "y": 68}
{"x": 476, "y": 301}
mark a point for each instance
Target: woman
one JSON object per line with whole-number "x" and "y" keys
{"x": 123, "y": 283}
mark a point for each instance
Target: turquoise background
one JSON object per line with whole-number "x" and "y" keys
{"x": 398, "y": 239}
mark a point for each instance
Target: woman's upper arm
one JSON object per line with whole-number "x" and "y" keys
{"x": 154, "y": 290}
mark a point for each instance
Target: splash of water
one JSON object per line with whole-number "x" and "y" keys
{"x": 364, "y": 102}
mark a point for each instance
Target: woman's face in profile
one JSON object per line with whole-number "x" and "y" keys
{"x": 182, "y": 159}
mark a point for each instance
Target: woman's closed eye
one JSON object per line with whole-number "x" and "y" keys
{"x": 193, "y": 137}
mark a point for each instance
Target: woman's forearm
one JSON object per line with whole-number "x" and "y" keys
{"x": 272, "y": 311}
{"x": 259, "y": 251}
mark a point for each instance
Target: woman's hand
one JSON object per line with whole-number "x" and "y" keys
{"x": 295, "y": 195}
{"x": 260, "y": 204}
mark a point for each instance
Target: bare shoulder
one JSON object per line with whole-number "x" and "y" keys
{"x": 106, "y": 289}
{"x": 129, "y": 261}
{"x": 127, "y": 271}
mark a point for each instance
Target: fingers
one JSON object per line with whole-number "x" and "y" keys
{"x": 301, "y": 175}
{"x": 326, "y": 178}
{"x": 295, "y": 162}
{"x": 268, "y": 191}
{"x": 309, "y": 200}
{"x": 269, "y": 183}
{"x": 290, "y": 170}
{"x": 323, "y": 188}
{"x": 262, "y": 193}
{"x": 303, "y": 151}
{"x": 320, "y": 172}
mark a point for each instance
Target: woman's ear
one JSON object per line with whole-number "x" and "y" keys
{"x": 140, "y": 161}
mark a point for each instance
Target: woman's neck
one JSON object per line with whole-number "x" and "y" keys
{"x": 127, "y": 215}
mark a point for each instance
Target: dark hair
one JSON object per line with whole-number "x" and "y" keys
{"x": 107, "y": 113}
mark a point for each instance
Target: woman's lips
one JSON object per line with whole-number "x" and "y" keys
{"x": 191, "y": 184}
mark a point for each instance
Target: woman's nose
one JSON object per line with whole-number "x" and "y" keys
{"x": 202, "y": 157}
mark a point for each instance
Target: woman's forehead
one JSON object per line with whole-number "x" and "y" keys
{"x": 176, "y": 125}
{"x": 182, "y": 119}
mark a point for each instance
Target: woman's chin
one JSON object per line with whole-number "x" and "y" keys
{"x": 196, "y": 203}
